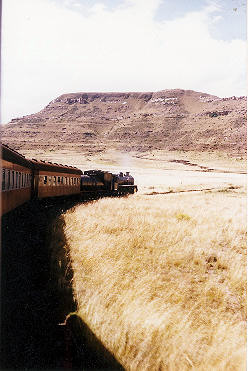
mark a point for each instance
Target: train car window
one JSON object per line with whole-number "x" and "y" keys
{"x": 62, "y": 180}
{"x": 54, "y": 180}
{"x": 3, "y": 180}
{"x": 45, "y": 179}
{"x": 58, "y": 179}
{"x": 19, "y": 180}
{"x": 8, "y": 180}
{"x": 65, "y": 180}
{"x": 13, "y": 180}
{"x": 16, "y": 182}
{"x": 74, "y": 180}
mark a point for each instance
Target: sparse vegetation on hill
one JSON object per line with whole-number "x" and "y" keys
{"x": 169, "y": 120}
{"x": 161, "y": 280}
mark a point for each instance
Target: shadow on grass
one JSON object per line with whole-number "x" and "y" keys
{"x": 36, "y": 295}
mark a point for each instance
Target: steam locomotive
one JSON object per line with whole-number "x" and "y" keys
{"x": 24, "y": 179}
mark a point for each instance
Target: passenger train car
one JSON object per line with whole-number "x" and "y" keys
{"x": 51, "y": 180}
{"x": 16, "y": 179}
{"x": 24, "y": 179}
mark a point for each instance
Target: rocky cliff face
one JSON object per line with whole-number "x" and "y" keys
{"x": 169, "y": 119}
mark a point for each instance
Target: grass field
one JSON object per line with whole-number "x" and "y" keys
{"x": 161, "y": 278}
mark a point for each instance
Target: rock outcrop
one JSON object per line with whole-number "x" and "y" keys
{"x": 170, "y": 119}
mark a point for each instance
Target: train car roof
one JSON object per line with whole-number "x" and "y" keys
{"x": 95, "y": 172}
{"x": 11, "y": 155}
{"x": 49, "y": 166}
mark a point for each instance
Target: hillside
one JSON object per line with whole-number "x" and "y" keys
{"x": 169, "y": 119}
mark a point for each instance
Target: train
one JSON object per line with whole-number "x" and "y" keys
{"x": 27, "y": 179}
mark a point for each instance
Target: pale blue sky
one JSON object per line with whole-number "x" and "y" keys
{"x": 52, "y": 47}
{"x": 232, "y": 25}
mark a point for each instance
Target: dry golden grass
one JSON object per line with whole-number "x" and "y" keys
{"x": 161, "y": 280}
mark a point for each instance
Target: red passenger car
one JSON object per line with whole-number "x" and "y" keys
{"x": 52, "y": 180}
{"x": 16, "y": 179}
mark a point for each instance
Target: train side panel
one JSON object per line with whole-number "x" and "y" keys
{"x": 53, "y": 184}
{"x": 16, "y": 185}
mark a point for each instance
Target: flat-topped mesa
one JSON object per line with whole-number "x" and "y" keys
{"x": 103, "y": 97}
{"x": 170, "y": 119}
{"x": 81, "y": 97}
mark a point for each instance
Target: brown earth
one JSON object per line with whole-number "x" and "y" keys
{"x": 171, "y": 120}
